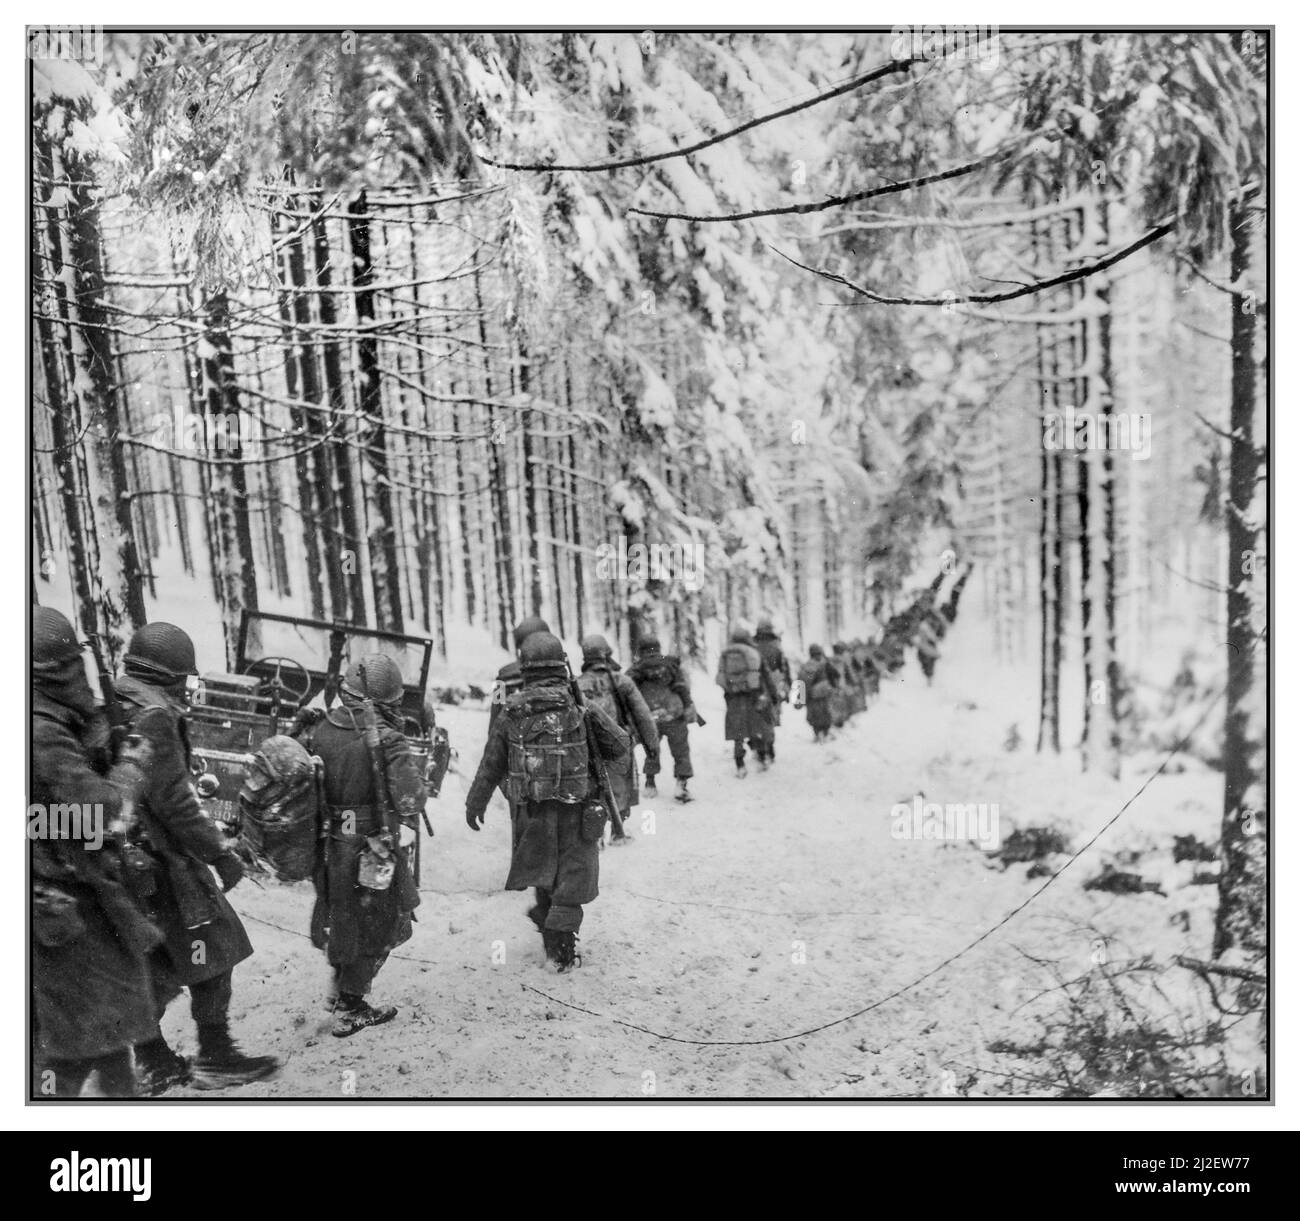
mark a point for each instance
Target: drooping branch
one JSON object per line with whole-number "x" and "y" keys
{"x": 894, "y": 66}
{"x": 833, "y": 201}
{"x": 1066, "y": 277}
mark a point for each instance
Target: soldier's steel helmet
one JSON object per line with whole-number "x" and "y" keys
{"x": 649, "y": 646}
{"x": 528, "y": 627}
{"x": 54, "y": 642}
{"x": 160, "y": 650}
{"x": 595, "y": 648}
{"x": 765, "y": 627}
{"x": 374, "y": 676}
{"x": 542, "y": 654}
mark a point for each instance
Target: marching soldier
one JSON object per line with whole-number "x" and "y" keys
{"x": 667, "y": 694}
{"x": 510, "y": 678}
{"x": 365, "y": 893}
{"x": 90, "y": 942}
{"x": 203, "y": 937}
{"x": 603, "y": 684}
{"x": 768, "y": 644}
{"x": 819, "y": 681}
{"x": 751, "y": 694}
{"x": 842, "y": 704}
{"x": 541, "y": 745}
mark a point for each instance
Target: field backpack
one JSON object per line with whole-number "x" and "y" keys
{"x": 281, "y": 803}
{"x": 598, "y": 688}
{"x": 737, "y": 672}
{"x": 813, "y": 676}
{"x": 655, "y": 678}
{"x": 546, "y": 738}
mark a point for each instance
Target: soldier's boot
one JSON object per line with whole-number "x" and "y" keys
{"x": 355, "y": 1013}
{"x": 566, "y": 955}
{"x": 221, "y": 1064}
{"x": 651, "y": 790}
{"x": 158, "y": 1068}
{"x": 682, "y": 794}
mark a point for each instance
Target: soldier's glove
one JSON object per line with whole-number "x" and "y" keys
{"x": 406, "y": 836}
{"x": 472, "y": 820}
{"x": 230, "y": 869}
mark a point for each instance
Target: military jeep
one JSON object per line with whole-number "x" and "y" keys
{"x": 285, "y": 663}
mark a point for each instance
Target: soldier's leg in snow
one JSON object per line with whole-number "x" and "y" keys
{"x": 564, "y": 917}
{"x": 210, "y": 1000}
{"x": 578, "y": 876}
{"x": 164, "y": 984}
{"x": 154, "y": 1058}
{"x": 541, "y": 906}
{"x": 739, "y": 752}
{"x": 220, "y": 1061}
{"x": 356, "y": 977}
{"x": 679, "y": 743}
{"x": 652, "y": 765}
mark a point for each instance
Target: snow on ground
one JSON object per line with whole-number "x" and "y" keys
{"x": 767, "y": 907}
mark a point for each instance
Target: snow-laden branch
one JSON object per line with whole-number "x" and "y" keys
{"x": 894, "y": 66}
{"x": 834, "y": 201}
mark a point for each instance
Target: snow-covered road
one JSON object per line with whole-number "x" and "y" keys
{"x": 769, "y": 906}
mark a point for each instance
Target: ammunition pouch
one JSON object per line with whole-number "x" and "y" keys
{"x": 594, "y": 815}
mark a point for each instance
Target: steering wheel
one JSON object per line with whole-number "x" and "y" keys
{"x": 275, "y": 682}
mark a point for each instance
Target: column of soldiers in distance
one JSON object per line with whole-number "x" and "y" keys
{"x": 836, "y": 688}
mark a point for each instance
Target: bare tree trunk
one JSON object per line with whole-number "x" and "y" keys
{"x": 319, "y": 538}
{"x": 98, "y": 616}
{"x": 1049, "y": 546}
{"x": 196, "y": 400}
{"x": 110, "y": 491}
{"x": 1109, "y": 655}
{"x": 575, "y": 516}
{"x": 434, "y": 582}
{"x": 338, "y": 475}
{"x": 530, "y": 472}
{"x": 1242, "y": 919}
{"x": 501, "y": 532}
{"x": 386, "y": 573}
{"x": 272, "y": 515}
{"x": 238, "y": 576}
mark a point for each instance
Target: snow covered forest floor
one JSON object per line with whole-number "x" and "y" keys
{"x": 768, "y": 907}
